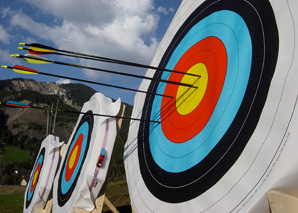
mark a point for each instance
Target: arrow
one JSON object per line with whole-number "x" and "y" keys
{"x": 33, "y": 59}
{"x": 41, "y": 60}
{"x": 22, "y": 70}
{"x": 35, "y": 48}
{"x": 15, "y": 104}
{"x": 26, "y": 70}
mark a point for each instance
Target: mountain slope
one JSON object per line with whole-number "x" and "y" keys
{"x": 26, "y": 128}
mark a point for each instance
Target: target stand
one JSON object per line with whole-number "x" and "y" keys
{"x": 283, "y": 200}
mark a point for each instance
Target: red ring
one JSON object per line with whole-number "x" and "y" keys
{"x": 68, "y": 171}
{"x": 181, "y": 128}
{"x": 34, "y": 183}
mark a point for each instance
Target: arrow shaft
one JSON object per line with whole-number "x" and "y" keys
{"x": 105, "y": 70}
{"x": 21, "y": 105}
{"x": 105, "y": 59}
{"x": 103, "y": 84}
{"x": 82, "y": 80}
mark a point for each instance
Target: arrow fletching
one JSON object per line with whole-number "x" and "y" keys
{"x": 36, "y": 59}
{"x": 39, "y": 51}
{"x": 36, "y": 51}
{"x": 41, "y": 46}
{"x": 23, "y": 70}
{"x": 16, "y": 104}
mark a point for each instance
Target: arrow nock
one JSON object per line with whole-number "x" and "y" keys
{"x": 15, "y": 55}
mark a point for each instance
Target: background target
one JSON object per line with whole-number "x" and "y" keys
{"x": 34, "y": 177}
{"x": 206, "y": 153}
{"x": 43, "y": 173}
{"x": 75, "y": 157}
{"x": 74, "y": 184}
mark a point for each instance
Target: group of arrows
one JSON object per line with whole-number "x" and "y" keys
{"x": 36, "y": 50}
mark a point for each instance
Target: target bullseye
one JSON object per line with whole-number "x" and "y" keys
{"x": 35, "y": 177}
{"x": 193, "y": 108}
{"x": 189, "y": 98}
{"x": 74, "y": 158}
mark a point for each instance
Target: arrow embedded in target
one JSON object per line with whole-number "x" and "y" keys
{"x": 26, "y": 70}
{"x": 16, "y": 104}
{"x": 41, "y": 60}
{"x": 40, "y": 49}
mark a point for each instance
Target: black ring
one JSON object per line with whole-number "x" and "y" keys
{"x": 183, "y": 186}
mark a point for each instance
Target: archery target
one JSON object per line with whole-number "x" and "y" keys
{"x": 77, "y": 170}
{"x": 209, "y": 151}
{"x": 42, "y": 175}
{"x": 34, "y": 177}
{"x": 75, "y": 157}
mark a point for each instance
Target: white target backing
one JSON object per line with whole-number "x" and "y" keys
{"x": 87, "y": 156}
{"x": 222, "y": 146}
{"x": 42, "y": 175}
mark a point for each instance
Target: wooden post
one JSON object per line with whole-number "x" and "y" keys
{"x": 283, "y": 200}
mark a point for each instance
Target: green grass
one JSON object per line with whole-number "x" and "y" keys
{"x": 117, "y": 193}
{"x": 11, "y": 202}
{"x": 13, "y": 154}
{"x": 12, "y": 197}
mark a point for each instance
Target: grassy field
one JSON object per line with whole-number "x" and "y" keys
{"x": 13, "y": 154}
{"x": 12, "y": 197}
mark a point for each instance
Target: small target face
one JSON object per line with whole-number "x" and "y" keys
{"x": 34, "y": 177}
{"x": 204, "y": 130}
{"x": 75, "y": 157}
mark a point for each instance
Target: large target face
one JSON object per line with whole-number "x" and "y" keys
{"x": 216, "y": 144}
{"x": 35, "y": 174}
{"x": 203, "y": 131}
{"x": 75, "y": 158}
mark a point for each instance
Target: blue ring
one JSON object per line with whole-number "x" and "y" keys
{"x": 40, "y": 160}
{"x": 66, "y": 185}
{"x": 178, "y": 157}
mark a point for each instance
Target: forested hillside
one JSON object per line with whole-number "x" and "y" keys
{"x": 24, "y": 129}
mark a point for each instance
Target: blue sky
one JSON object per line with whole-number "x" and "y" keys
{"x": 122, "y": 29}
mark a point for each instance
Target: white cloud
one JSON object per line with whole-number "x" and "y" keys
{"x": 171, "y": 9}
{"x": 6, "y": 59}
{"x": 5, "y": 12}
{"x": 4, "y": 36}
{"x": 112, "y": 28}
{"x": 165, "y": 10}
{"x": 63, "y": 81}
{"x": 77, "y": 11}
